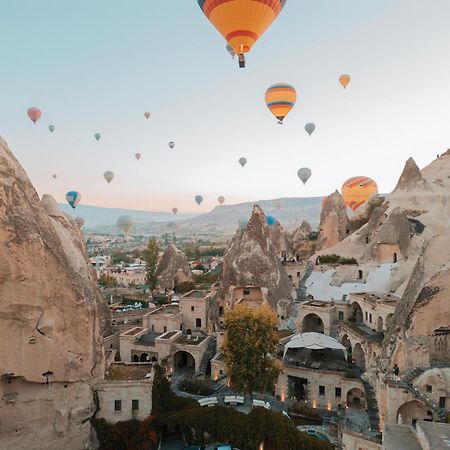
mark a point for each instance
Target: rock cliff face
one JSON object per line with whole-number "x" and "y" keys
{"x": 173, "y": 268}
{"x": 251, "y": 260}
{"x": 302, "y": 246}
{"x": 50, "y": 314}
{"x": 410, "y": 176}
{"x": 280, "y": 240}
{"x": 333, "y": 221}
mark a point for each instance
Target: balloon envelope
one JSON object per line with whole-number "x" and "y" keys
{"x": 310, "y": 127}
{"x": 171, "y": 144}
{"x": 357, "y": 190}
{"x": 344, "y": 80}
{"x": 73, "y": 198}
{"x": 137, "y": 156}
{"x": 198, "y": 199}
{"x": 221, "y": 199}
{"x": 108, "y": 176}
{"x": 271, "y": 220}
{"x": 147, "y": 114}
{"x": 34, "y": 114}
{"x": 125, "y": 223}
{"x": 304, "y": 174}
{"x": 174, "y": 210}
{"x": 55, "y": 176}
{"x": 280, "y": 99}
{"x": 97, "y": 136}
{"x": 51, "y": 128}
{"x": 79, "y": 221}
{"x": 242, "y": 161}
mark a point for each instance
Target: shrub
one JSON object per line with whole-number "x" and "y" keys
{"x": 184, "y": 287}
{"x": 304, "y": 411}
{"x": 194, "y": 386}
{"x": 348, "y": 261}
{"x": 336, "y": 259}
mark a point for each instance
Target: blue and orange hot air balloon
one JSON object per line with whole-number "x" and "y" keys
{"x": 241, "y": 22}
{"x": 280, "y": 99}
{"x": 73, "y": 198}
{"x": 357, "y": 190}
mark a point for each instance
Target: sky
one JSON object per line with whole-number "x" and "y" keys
{"x": 97, "y": 66}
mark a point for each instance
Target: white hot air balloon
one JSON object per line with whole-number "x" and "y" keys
{"x": 108, "y": 175}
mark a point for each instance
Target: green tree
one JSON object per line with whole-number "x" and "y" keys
{"x": 251, "y": 340}
{"x": 107, "y": 280}
{"x": 151, "y": 258}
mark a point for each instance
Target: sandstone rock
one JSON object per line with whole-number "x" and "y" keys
{"x": 280, "y": 240}
{"x": 173, "y": 268}
{"x": 50, "y": 311}
{"x": 410, "y": 176}
{"x": 251, "y": 260}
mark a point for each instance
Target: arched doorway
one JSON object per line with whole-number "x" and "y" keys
{"x": 135, "y": 358}
{"x": 356, "y": 399}
{"x": 144, "y": 357}
{"x": 410, "y": 412}
{"x": 345, "y": 341}
{"x": 359, "y": 357}
{"x": 357, "y": 313}
{"x": 379, "y": 324}
{"x": 184, "y": 361}
{"x": 154, "y": 359}
{"x": 312, "y": 323}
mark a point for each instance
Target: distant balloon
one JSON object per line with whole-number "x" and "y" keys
{"x": 174, "y": 210}
{"x": 147, "y": 114}
{"x": 221, "y": 199}
{"x": 304, "y": 174}
{"x": 137, "y": 156}
{"x": 97, "y": 136}
{"x": 108, "y": 175}
{"x": 51, "y": 128}
{"x": 344, "y": 80}
{"x": 79, "y": 221}
{"x": 73, "y": 198}
{"x": 34, "y": 114}
{"x": 357, "y": 190}
{"x": 125, "y": 223}
{"x": 242, "y": 161}
{"x": 55, "y": 176}
{"x": 231, "y": 51}
{"x": 271, "y": 220}
{"x": 198, "y": 199}
{"x": 280, "y": 99}
{"x": 171, "y": 144}
{"x": 310, "y": 127}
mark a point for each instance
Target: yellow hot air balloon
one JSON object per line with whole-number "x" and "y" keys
{"x": 357, "y": 190}
{"x": 344, "y": 80}
{"x": 280, "y": 99}
{"x": 241, "y": 22}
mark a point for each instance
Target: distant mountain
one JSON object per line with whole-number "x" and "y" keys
{"x": 222, "y": 220}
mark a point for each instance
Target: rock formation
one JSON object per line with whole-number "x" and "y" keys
{"x": 173, "y": 268}
{"x": 51, "y": 349}
{"x": 410, "y": 176}
{"x": 303, "y": 243}
{"x": 280, "y": 240}
{"x": 251, "y": 260}
{"x": 333, "y": 221}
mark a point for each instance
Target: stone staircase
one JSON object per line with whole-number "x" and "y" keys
{"x": 209, "y": 354}
{"x": 372, "y": 407}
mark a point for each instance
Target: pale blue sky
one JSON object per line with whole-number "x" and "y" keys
{"x": 96, "y": 66}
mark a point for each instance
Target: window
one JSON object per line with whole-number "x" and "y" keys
{"x": 321, "y": 391}
{"x": 367, "y": 239}
{"x": 370, "y": 317}
{"x": 395, "y": 257}
{"x": 198, "y": 322}
{"x": 442, "y": 402}
{"x": 246, "y": 291}
{"x": 341, "y": 315}
{"x": 337, "y": 392}
{"x": 192, "y": 308}
{"x": 298, "y": 274}
{"x": 135, "y": 405}
{"x": 360, "y": 274}
{"x": 221, "y": 371}
{"x": 117, "y": 405}
{"x": 429, "y": 388}
{"x": 367, "y": 316}
{"x": 153, "y": 327}
{"x": 165, "y": 329}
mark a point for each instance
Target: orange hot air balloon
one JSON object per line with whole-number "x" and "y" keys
{"x": 34, "y": 114}
{"x": 280, "y": 99}
{"x": 241, "y": 22}
{"x": 344, "y": 80}
{"x": 357, "y": 190}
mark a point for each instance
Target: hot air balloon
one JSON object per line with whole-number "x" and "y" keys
{"x": 97, "y": 136}
{"x": 242, "y": 161}
{"x": 34, "y": 114}
{"x": 73, "y": 198}
{"x": 310, "y": 127}
{"x": 280, "y": 99}
{"x": 241, "y": 22}
{"x": 198, "y": 199}
{"x": 147, "y": 114}
{"x": 344, "y": 80}
{"x": 79, "y": 221}
{"x": 125, "y": 223}
{"x": 137, "y": 156}
{"x": 221, "y": 200}
{"x": 51, "y": 128}
{"x": 357, "y": 190}
{"x": 171, "y": 144}
{"x": 174, "y": 210}
{"x": 271, "y": 220}
{"x": 304, "y": 174}
{"x": 231, "y": 51}
{"x": 108, "y": 175}
{"x": 55, "y": 176}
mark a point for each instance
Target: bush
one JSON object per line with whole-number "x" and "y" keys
{"x": 348, "y": 261}
{"x": 184, "y": 287}
{"x": 196, "y": 387}
{"x": 304, "y": 411}
{"x": 335, "y": 259}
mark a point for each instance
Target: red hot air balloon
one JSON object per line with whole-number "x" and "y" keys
{"x": 34, "y": 114}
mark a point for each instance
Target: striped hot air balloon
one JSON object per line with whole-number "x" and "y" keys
{"x": 241, "y": 22}
{"x": 280, "y": 99}
{"x": 357, "y": 190}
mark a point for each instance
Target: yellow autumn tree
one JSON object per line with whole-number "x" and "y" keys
{"x": 251, "y": 340}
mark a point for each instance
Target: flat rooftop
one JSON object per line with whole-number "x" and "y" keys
{"x": 133, "y": 331}
{"x": 400, "y": 437}
{"x": 318, "y": 304}
{"x": 169, "y": 309}
{"x": 192, "y": 340}
{"x": 196, "y": 293}
{"x": 373, "y": 297}
{"x": 121, "y": 372}
{"x": 148, "y": 339}
{"x": 436, "y": 433}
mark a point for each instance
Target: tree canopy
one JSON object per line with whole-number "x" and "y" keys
{"x": 150, "y": 255}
